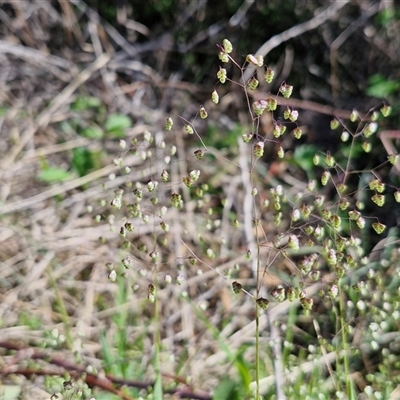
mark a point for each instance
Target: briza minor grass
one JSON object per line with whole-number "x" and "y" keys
{"x": 304, "y": 224}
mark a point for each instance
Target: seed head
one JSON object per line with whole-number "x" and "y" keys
{"x": 336, "y": 221}
{"x": 165, "y": 176}
{"x": 258, "y": 150}
{"x": 189, "y": 129}
{"x": 333, "y": 291}
{"x": 128, "y": 262}
{"x": 370, "y": 129}
{"x": 343, "y": 204}
{"x": 306, "y": 303}
{"x": 188, "y": 181}
{"x": 305, "y": 211}
{"x": 291, "y": 293}
{"x": 278, "y": 294}
{"x": 378, "y": 227}
{"x": 203, "y": 113}
{"x": 294, "y": 114}
{"x": 393, "y": 158}
{"x": 297, "y": 132}
{"x": 386, "y": 110}
{"x": 293, "y": 242}
{"x": 377, "y": 185}
{"x": 176, "y": 200}
{"x": 259, "y": 107}
{"x": 152, "y": 186}
{"x": 286, "y": 90}
{"x": 237, "y": 287}
{"x": 329, "y": 160}
{"x": 360, "y": 222}
{"x": 164, "y": 226}
{"x": 344, "y": 137}
{"x": 215, "y": 97}
{"x": 378, "y": 199}
{"x": 354, "y": 116}
{"x": 116, "y": 203}
{"x": 269, "y": 75}
{"x": 296, "y": 215}
{"x": 112, "y": 276}
{"x": 262, "y": 303}
{"x": 169, "y": 123}
{"x": 151, "y": 293}
{"x": 341, "y": 188}
{"x": 335, "y": 124}
{"x": 272, "y": 104}
{"x": 354, "y": 215}
{"x": 221, "y": 75}
{"x": 325, "y": 177}
{"x": 257, "y": 61}
{"x": 278, "y": 219}
{"x": 223, "y": 56}
{"x": 227, "y": 46}
{"x": 366, "y": 146}
{"x": 199, "y": 154}
{"x": 253, "y": 83}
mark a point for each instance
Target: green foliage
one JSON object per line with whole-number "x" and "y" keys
{"x": 303, "y": 156}
{"x": 116, "y": 124}
{"x": 54, "y": 174}
{"x": 83, "y": 103}
{"x": 82, "y": 160}
{"x": 10, "y": 392}
{"x": 381, "y": 87}
{"x": 228, "y": 389}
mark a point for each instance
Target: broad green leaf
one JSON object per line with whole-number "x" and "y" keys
{"x": 116, "y": 124}
{"x": 381, "y": 87}
{"x": 82, "y": 161}
{"x": 92, "y": 132}
{"x": 54, "y": 174}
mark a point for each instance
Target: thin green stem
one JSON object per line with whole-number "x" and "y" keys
{"x": 345, "y": 347}
{"x": 158, "y": 392}
{"x": 63, "y": 310}
{"x": 258, "y": 332}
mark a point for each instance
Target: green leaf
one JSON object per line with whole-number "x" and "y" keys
{"x": 85, "y": 102}
{"x": 303, "y": 156}
{"x": 116, "y": 124}
{"x": 244, "y": 370}
{"x": 82, "y": 161}
{"x": 10, "y": 392}
{"x": 92, "y": 132}
{"x": 381, "y": 87}
{"x": 54, "y": 174}
{"x": 227, "y": 390}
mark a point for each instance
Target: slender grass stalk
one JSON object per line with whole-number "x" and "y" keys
{"x": 158, "y": 392}
{"x": 63, "y": 310}
{"x": 345, "y": 345}
{"x": 257, "y": 353}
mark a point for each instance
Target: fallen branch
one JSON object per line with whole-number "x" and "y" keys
{"x": 107, "y": 383}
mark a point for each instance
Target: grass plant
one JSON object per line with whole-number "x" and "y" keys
{"x": 211, "y": 251}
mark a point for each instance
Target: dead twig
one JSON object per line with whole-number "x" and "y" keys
{"x": 106, "y": 383}
{"x": 295, "y": 31}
